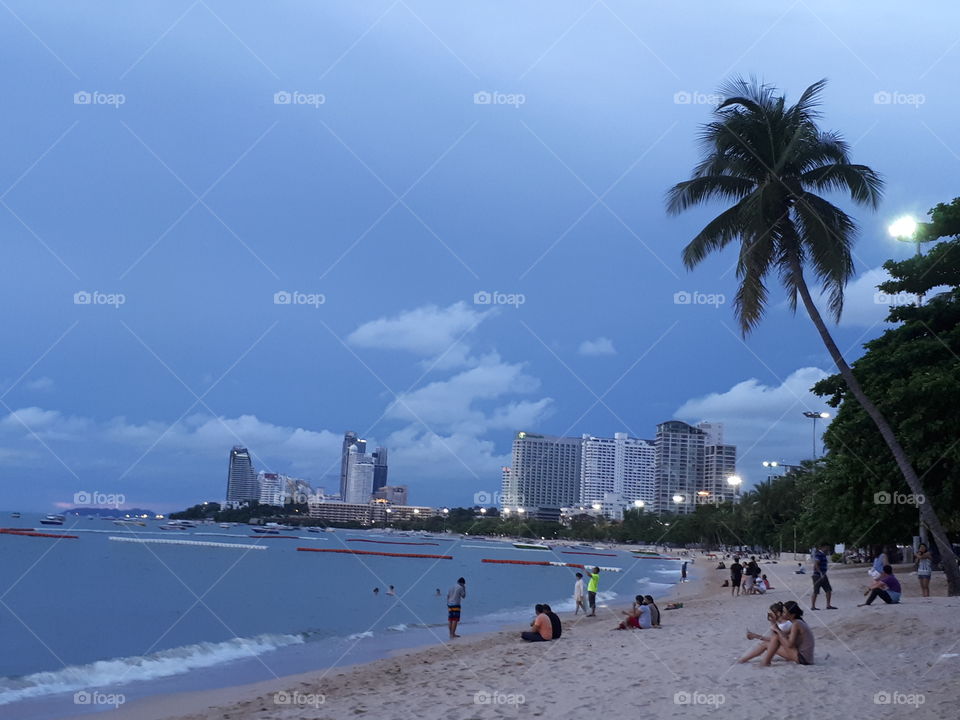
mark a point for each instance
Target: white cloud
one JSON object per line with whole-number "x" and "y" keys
{"x": 42, "y": 384}
{"x": 429, "y": 331}
{"x": 765, "y": 422}
{"x": 600, "y": 346}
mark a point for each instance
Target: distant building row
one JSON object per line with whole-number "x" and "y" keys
{"x": 684, "y": 466}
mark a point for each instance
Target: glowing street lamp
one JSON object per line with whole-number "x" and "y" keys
{"x": 815, "y": 416}
{"x": 638, "y": 503}
{"x": 483, "y": 511}
{"x": 521, "y": 511}
{"x": 678, "y": 499}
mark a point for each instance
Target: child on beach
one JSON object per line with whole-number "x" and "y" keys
{"x": 578, "y": 595}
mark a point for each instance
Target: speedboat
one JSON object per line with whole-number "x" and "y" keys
{"x": 53, "y": 520}
{"x": 531, "y": 546}
{"x": 266, "y": 531}
{"x": 15, "y": 516}
{"x": 173, "y": 526}
{"x": 226, "y": 526}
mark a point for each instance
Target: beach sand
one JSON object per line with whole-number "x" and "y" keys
{"x": 873, "y": 662}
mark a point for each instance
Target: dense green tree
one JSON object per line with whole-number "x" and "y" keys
{"x": 771, "y": 160}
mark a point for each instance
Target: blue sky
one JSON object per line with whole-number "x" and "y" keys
{"x": 390, "y": 188}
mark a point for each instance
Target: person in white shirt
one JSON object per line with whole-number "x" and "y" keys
{"x": 578, "y": 595}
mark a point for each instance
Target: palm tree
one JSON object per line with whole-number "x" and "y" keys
{"x": 770, "y": 160}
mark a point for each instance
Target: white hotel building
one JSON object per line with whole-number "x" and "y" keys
{"x": 616, "y": 472}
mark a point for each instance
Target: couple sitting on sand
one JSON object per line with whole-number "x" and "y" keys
{"x": 789, "y": 637}
{"x": 546, "y": 625}
{"x": 643, "y": 615}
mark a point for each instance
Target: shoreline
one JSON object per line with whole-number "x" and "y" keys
{"x": 866, "y": 658}
{"x": 194, "y": 705}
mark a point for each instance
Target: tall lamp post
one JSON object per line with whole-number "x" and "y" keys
{"x": 815, "y": 416}
{"x": 735, "y": 481}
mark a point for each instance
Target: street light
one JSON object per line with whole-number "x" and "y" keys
{"x": 735, "y": 481}
{"x": 483, "y": 511}
{"x": 815, "y": 416}
{"x": 905, "y": 229}
{"x": 678, "y": 499}
{"x": 638, "y": 503}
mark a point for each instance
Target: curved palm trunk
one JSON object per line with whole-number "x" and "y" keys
{"x": 929, "y": 517}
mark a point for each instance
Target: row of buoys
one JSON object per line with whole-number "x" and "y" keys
{"x": 32, "y": 533}
{"x": 200, "y": 543}
{"x": 389, "y": 542}
{"x": 350, "y": 551}
{"x": 546, "y": 563}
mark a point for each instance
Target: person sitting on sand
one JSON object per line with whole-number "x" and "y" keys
{"x": 766, "y": 583}
{"x": 542, "y": 627}
{"x": 795, "y": 645}
{"x": 638, "y": 617}
{"x": 654, "y": 611}
{"x": 774, "y": 614}
{"x": 799, "y": 570}
{"x": 555, "y": 625}
{"x": 886, "y": 587}
{"x": 721, "y": 566}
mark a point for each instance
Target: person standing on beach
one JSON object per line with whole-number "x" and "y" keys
{"x": 924, "y": 568}
{"x": 736, "y": 576}
{"x": 578, "y": 595}
{"x": 683, "y": 572}
{"x": 592, "y": 591}
{"x": 819, "y": 576}
{"x": 454, "y": 597}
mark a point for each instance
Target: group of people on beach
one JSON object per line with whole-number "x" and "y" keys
{"x": 746, "y": 579}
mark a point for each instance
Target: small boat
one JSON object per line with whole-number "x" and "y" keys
{"x": 226, "y": 526}
{"x": 15, "y": 516}
{"x": 266, "y": 531}
{"x": 171, "y": 526}
{"x": 53, "y": 520}
{"x": 130, "y": 523}
{"x": 531, "y": 546}
{"x": 314, "y": 530}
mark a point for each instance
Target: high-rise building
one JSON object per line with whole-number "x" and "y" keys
{"x": 359, "y": 487}
{"x": 720, "y": 462}
{"x": 380, "y": 469}
{"x": 509, "y": 493}
{"x": 619, "y": 466}
{"x": 350, "y": 440}
{"x": 271, "y": 488}
{"x": 679, "y": 466}
{"x": 242, "y": 486}
{"x": 545, "y": 473}
{"x": 714, "y": 432}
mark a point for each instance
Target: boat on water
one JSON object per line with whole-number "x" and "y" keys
{"x": 130, "y": 523}
{"x": 314, "y": 530}
{"x": 266, "y": 531}
{"x": 53, "y": 520}
{"x": 531, "y": 546}
{"x": 226, "y": 526}
{"x": 170, "y": 526}
{"x": 15, "y": 516}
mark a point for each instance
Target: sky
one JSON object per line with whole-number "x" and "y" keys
{"x": 435, "y": 224}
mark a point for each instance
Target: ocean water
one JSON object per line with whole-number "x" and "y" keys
{"x": 94, "y": 615}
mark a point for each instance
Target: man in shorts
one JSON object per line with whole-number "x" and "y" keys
{"x": 592, "y": 587}
{"x": 820, "y": 579}
{"x": 736, "y": 576}
{"x": 454, "y": 596}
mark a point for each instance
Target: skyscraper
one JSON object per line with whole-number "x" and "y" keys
{"x": 545, "y": 473}
{"x": 720, "y": 462}
{"x": 350, "y": 439}
{"x": 380, "y": 468}
{"x": 242, "y": 485}
{"x": 620, "y": 465}
{"x": 679, "y": 466}
{"x": 359, "y": 485}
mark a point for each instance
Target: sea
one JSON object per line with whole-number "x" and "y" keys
{"x": 91, "y": 622}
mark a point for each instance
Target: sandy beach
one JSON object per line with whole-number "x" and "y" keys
{"x": 878, "y": 661}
